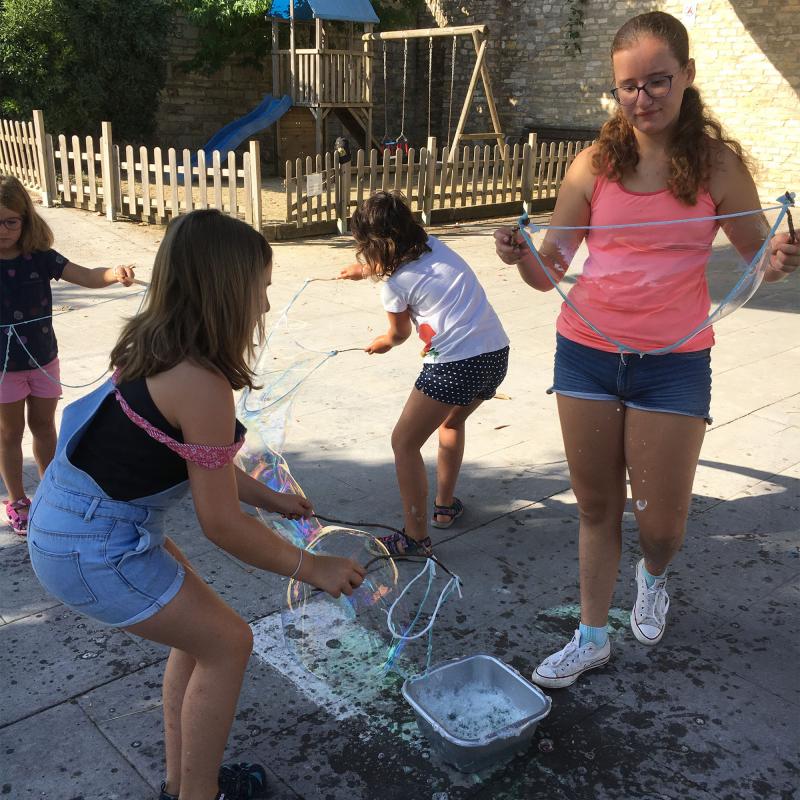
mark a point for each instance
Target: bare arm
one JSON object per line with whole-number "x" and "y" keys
{"x": 559, "y": 247}
{"x": 99, "y": 277}
{"x": 209, "y": 419}
{"x": 733, "y": 190}
{"x": 400, "y": 328}
{"x": 254, "y": 493}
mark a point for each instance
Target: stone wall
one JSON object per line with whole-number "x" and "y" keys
{"x": 193, "y": 107}
{"x": 747, "y": 69}
{"x": 745, "y": 50}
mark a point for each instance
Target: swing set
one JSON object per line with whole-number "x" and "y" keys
{"x": 475, "y": 33}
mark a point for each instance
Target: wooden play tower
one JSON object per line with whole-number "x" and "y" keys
{"x": 326, "y": 67}
{"x": 324, "y": 71}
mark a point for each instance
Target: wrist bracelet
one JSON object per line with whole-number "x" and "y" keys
{"x": 297, "y": 568}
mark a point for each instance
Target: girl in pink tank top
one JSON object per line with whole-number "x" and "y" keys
{"x": 661, "y": 157}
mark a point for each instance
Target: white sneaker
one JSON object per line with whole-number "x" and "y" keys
{"x": 566, "y": 666}
{"x": 649, "y": 615}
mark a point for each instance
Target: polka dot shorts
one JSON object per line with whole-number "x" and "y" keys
{"x": 458, "y": 383}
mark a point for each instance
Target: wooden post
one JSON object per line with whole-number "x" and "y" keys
{"x": 292, "y": 54}
{"x": 478, "y": 38}
{"x": 473, "y": 82}
{"x": 46, "y": 178}
{"x": 318, "y": 88}
{"x": 528, "y": 166}
{"x": 343, "y": 206}
{"x": 109, "y": 173}
{"x": 255, "y": 182}
{"x": 276, "y": 61}
{"x": 430, "y": 175}
{"x": 368, "y": 83}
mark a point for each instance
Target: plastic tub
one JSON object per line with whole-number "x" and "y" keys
{"x": 476, "y": 711}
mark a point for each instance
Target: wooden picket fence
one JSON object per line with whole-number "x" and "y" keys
{"x": 468, "y": 182}
{"x": 138, "y": 182}
{"x": 321, "y": 193}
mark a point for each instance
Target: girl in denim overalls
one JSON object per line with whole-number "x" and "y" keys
{"x": 96, "y": 534}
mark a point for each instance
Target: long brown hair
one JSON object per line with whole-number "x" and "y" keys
{"x": 386, "y": 233}
{"x": 204, "y": 303}
{"x": 697, "y": 137}
{"x": 36, "y": 233}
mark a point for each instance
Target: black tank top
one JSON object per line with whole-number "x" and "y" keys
{"x": 121, "y": 457}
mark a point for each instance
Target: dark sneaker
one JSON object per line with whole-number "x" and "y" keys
{"x": 165, "y": 795}
{"x": 243, "y": 781}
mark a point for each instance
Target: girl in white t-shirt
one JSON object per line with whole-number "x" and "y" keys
{"x": 465, "y": 354}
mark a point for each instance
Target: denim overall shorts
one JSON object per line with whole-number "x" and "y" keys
{"x": 101, "y": 557}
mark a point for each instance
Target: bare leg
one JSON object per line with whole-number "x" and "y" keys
{"x": 452, "y": 436}
{"x": 593, "y": 441}
{"x": 178, "y": 671}
{"x": 12, "y": 429}
{"x": 662, "y": 452}
{"x": 198, "y": 623}
{"x": 42, "y": 422}
{"x": 420, "y": 417}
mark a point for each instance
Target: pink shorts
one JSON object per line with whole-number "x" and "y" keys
{"x": 16, "y": 386}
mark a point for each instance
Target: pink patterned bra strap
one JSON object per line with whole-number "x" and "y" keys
{"x": 207, "y": 456}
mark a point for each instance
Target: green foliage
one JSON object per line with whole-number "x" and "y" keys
{"x": 84, "y": 62}
{"x": 576, "y": 14}
{"x": 239, "y": 29}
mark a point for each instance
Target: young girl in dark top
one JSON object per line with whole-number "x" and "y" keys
{"x": 164, "y": 423}
{"x": 29, "y": 373}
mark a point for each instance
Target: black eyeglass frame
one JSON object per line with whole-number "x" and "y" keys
{"x": 642, "y": 88}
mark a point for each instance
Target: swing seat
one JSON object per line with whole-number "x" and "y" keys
{"x": 402, "y": 144}
{"x": 389, "y": 144}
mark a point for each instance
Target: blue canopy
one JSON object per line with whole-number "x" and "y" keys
{"x": 342, "y": 10}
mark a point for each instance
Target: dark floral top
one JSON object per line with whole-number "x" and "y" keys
{"x": 25, "y": 296}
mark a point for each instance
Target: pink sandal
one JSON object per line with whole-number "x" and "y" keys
{"x": 17, "y": 513}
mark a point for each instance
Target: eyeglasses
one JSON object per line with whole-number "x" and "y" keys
{"x": 654, "y": 88}
{"x": 12, "y": 223}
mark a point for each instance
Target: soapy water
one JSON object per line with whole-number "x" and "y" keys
{"x": 472, "y": 711}
{"x": 660, "y": 271}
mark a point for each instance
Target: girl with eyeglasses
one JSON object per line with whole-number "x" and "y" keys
{"x": 29, "y": 372}
{"x": 661, "y": 157}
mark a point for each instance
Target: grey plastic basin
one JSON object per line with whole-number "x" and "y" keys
{"x": 476, "y": 712}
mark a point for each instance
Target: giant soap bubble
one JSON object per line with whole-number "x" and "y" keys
{"x": 654, "y": 287}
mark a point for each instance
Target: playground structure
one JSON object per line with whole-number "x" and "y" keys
{"x": 322, "y": 81}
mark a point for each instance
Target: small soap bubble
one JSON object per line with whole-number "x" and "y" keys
{"x": 641, "y": 505}
{"x": 546, "y": 746}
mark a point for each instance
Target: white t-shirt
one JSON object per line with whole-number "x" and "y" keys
{"x": 447, "y": 305}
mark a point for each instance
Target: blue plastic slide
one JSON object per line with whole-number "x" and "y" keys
{"x": 267, "y": 112}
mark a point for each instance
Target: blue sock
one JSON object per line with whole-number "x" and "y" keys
{"x": 651, "y": 579}
{"x": 598, "y": 636}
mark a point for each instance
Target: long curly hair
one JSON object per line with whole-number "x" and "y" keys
{"x": 386, "y": 233}
{"x": 698, "y": 136}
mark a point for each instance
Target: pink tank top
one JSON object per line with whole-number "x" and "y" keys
{"x": 644, "y": 286}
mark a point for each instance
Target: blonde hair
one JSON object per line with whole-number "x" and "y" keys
{"x": 204, "y": 303}
{"x": 36, "y": 233}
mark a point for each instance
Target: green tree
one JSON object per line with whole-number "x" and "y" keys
{"x": 240, "y": 29}
{"x": 84, "y": 62}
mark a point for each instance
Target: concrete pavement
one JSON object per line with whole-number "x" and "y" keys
{"x": 709, "y": 714}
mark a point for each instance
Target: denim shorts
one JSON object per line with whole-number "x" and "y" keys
{"x": 459, "y": 383}
{"x": 100, "y": 557}
{"x": 673, "y": 383}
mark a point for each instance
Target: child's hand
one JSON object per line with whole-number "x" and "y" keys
{"x": 354, "y": 272}
{"x": 784, "y": 256}
{"x": 380, "y": 344}
{"x": 124, "y": 274}
{"x": 508, "y": 245}
{"x": 291, "y": 506}
{"x": 336, "y": 575}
